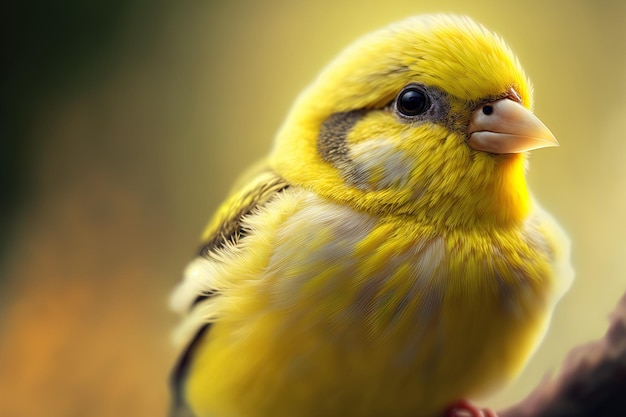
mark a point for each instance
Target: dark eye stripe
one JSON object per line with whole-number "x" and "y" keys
{"x": 331, "y": 142}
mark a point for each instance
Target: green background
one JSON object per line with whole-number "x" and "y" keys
{"x": 125, "y": 123}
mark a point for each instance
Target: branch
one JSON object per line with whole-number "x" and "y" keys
{"x": 592, "y": 382}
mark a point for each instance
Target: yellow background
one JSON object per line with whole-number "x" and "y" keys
{"x": 132, "y": 153}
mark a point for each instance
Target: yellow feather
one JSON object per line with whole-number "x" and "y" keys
{"x": 376, "y": 265}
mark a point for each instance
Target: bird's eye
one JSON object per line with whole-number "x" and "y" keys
{"x": 412, "y": 101}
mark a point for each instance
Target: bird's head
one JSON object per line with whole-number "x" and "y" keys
{"x": 428, "y": 117}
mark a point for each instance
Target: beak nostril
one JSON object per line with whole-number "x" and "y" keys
{"x": 506, "y": 126}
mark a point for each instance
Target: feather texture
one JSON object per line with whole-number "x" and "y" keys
{"x": 376, "y": 264}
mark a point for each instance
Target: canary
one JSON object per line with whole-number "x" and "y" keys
{"x": 387, "y": 257}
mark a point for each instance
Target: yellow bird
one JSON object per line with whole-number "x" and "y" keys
{"x": 387, "y": 258}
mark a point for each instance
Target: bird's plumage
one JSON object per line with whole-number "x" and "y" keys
{"x": 377, "y": 263}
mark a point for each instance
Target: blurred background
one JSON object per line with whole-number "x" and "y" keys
{"x": 123, "y": 124}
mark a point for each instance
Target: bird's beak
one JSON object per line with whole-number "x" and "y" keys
{"x": 505, "y": 126}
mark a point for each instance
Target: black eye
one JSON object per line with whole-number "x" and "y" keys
{"x": 412, "y": 102}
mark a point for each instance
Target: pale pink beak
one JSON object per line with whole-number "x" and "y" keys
{"x": 505, "y": 126}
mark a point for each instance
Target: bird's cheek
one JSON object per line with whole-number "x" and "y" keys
{"x": 378, "y": 164}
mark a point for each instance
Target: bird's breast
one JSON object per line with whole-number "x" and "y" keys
{"x": 393, "y": 270}
{"x": 376, "y": 308}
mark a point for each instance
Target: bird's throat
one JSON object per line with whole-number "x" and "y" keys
{"x": 498, "y": 197}
{"x": 506, "y": 195}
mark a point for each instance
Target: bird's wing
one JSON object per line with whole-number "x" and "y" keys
{"x": 194, "y": 295}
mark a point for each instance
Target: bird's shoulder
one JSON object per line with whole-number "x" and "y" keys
{"x": 254, "y": 189}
